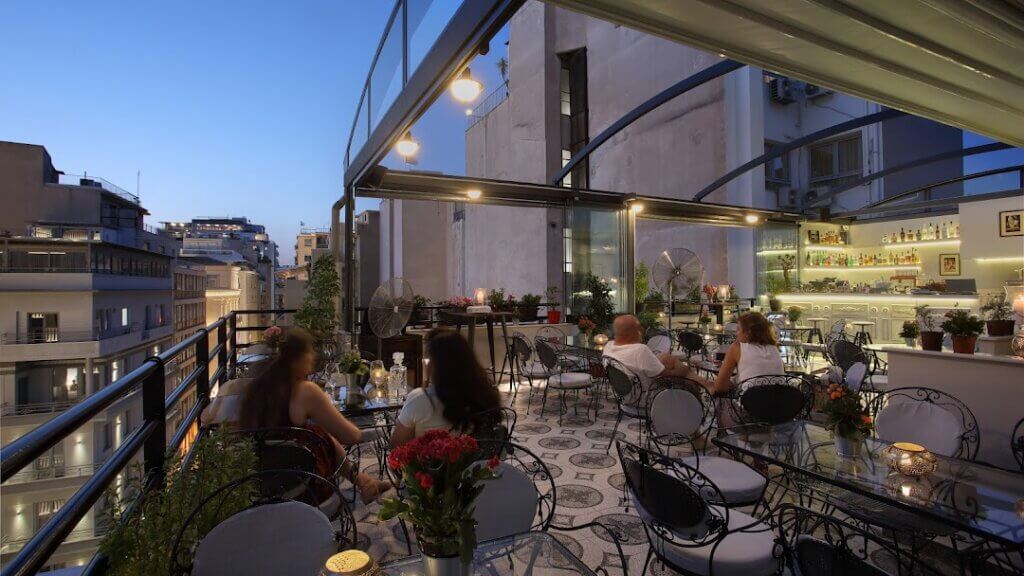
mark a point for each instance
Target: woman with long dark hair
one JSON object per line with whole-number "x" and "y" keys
{"x": 461, "y": 397}
{"x": 281, "y": 396}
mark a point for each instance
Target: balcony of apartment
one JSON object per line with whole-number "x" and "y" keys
{"x": 86, "y": 181}
{"x": 57, "y": 344}
{"x": 78, "y": 540}
{"x": 50, "y": 478}
{"x": 78, "y": 278}
{"x": 189, "y": 294}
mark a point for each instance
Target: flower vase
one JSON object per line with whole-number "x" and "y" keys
{"x": 443, "y": 565}
{"x": 910, "y": 342}
{"x": 848, "y": 447}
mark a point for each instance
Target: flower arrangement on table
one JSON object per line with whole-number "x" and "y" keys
{"x": 443, "y": 479}
{"x": 846, "y": 415}
{"x": 711, "y": 291}
{"x": 272, "y": 337}
{"x": 586, "y": 326}
{"x": 458, "y": 302}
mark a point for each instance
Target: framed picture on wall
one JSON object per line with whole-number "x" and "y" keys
{"x": 1011, "y": 223}
{"x": 949, "y": 264}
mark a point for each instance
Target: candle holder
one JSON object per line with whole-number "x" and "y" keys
{"x": 351, "y": 563}
{"x": 910, "y": 489}
{"x": 910, "y": 459}
{"x": 479, "y": 295}
{"x": 600, "y": 339}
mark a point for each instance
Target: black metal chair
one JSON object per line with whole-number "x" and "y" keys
{"x": 526, "y": 364}
{"x": 630, "y": 399}
{"x": 523, "y": 498}
{"x": 498, "y": 424}
{"x": 771, "y": 399}
{"x": 559, "y": 379}
{"x": 685, "y": 528}
{"x": 820, "y": 545}
{"x": 251, "y": 525}
{"x": 1017, "y": 443}
{"x": 692, "y": 343}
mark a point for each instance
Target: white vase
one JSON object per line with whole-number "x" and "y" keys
{"x": 443, "y": 565}
{"x": 910, "y": 342}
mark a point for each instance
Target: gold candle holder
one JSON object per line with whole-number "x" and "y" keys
{"x": 351, "y": 563}
{"x": 600, "y": 339}
{"x": 910, "y": 459}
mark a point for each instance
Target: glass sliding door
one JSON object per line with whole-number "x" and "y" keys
{"x": 595, "y": 263}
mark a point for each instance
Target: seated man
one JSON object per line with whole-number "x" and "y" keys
{"x": 629, "y": 349}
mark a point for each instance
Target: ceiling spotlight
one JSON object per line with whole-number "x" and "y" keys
{"x": 752, "y": 218}
{"x": 406, "y": 146}
{"x": 465, "y": 88}
{"x": 636, "y": 207}
{"x": 473, "y": 193}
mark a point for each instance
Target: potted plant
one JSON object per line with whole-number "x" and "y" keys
{"x": 351, "y": 369}
{"x": 528, "y": 306}
{"x": 586, "y": 326}
{"x": 705, "y": 321}
{"x": 910, "y": 332}
{"x": 654, "y": 303}
{"x": 442, "y": 481}
{"x": 848, "y": 419}
{"x": 964, "y": 328}
{"x": 648, "y": 320}
{"x": 641, "y": 284}
{"x": 318, "y": 312}
{"x": 774, "y": 304}
{"x": 794, "y": 312}
{"x": 498, "y": 301}
{"x": 594, "y": 300}
{"x": 931, "y": 338}
{"x": 1000, "y": 316}
{"x": 420, "y": 315}
{"x": 552, "y": 294}
{"x": 786, "y": 263}
{"x": 454, "y": 304}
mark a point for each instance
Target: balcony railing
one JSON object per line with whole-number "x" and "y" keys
{"x": 496, "y": 97}
{"x": 37, "y": 407}
{"x": 189, "y": 294}
{"x": 78, "y": 535}
{"x": 150, "y": 436}
{"x": 94, "y": 182}
{"x": 56, "y": 335}
{"x": 52, "y": 472}
{"x": 80, "y": 270}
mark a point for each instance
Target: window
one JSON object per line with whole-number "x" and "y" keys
{"x": 836, "y": 162}
{"x": 305, "y": 258}
{"x": 307, "y": 242}
{"x": 563, "y": 83}
{"x": 124, "y": 316}
{"x": 776, "y": 170}
{"x": 566, "y": 156}
{"x": 43, "y": 327}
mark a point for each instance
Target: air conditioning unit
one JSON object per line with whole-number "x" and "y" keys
{"x": 780, "y": 90}
{"x": 813, "y": 91}
{"x": 788, "y": 198}
{"x": 814, "y": 193}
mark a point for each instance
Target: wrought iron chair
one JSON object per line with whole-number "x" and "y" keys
{"x": 771, "y": 399}
{"x": 497, "y": 424}
{"x": 686, "y": 530}
{"x": 1017, "y": 443}
{"x": 523, "y": 498}
{"x": 630, "y": 399}
{"x": 692, "y": 343}
{"x": 250, "y": 525}
{"x": 660, "y": 344}
{"x": 560, "y": 380}
{"x": 526, "y": 364}
{"x": 681, "y": 415}
{"x": 819, "y": 545}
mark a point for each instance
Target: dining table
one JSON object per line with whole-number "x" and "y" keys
{"x": 981, "y": 500}
{"x": 526, "y": 554}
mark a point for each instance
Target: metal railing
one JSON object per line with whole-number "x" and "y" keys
{"x": 12, "y": 545}
{"x": 95, "y": 182}
{"x": 150, "y": 437}
{"x": 496, "y": 97}
{"x": 56, "y": 335}
{"x": 52, "y": 473}
{"x": 21, "y": 409}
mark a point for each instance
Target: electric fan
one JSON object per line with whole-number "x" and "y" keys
{"x": 390, "y": 309}
{"x": 677, "y": 270}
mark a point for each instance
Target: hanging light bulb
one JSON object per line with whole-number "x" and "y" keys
{"x": 406, "y": 146}
{"x": 465, "y": 88}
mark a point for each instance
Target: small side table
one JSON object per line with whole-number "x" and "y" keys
{"x": 863, "y": 336}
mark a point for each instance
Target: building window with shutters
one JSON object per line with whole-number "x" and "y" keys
{"x": 572, "y": 81}
{"x": 836, "y": 162}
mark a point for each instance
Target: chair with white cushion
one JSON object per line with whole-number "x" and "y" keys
{"x": 630, "y": 397}
{"x": 558, "y": 380}
{"x": 660, "y": 344}
{"x": 527, "y": 365}
{"x": 678, "y": 417}
{"x": 244, "y": 531}
{"x": 686, "y": 530}
{"x": 855, "y": 375}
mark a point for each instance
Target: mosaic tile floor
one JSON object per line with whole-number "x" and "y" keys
{"x": 589, "y": 484}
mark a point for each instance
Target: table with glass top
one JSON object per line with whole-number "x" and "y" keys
{"x": 527, "y": 554}
{"x": 981, "y": 500}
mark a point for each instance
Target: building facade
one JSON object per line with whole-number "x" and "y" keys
{"x": 86, "y": 295}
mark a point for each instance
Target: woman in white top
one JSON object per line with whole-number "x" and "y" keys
{"x": 460, "y": 398}
{"x": 754, "y": 353}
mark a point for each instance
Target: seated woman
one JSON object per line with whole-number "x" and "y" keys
{"x": 460, "y": 398}
{"x": 281, "y": 396}
{"x": 754, "y": 353}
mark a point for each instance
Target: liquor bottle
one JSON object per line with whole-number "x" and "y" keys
{"x": 957, "y": 235}
{"x": 903, "y": 237}
{"x": 945, "y": 231}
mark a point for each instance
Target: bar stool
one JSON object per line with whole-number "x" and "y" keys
{"x": 863, "y": 336}
{"x": 816, "y": 330}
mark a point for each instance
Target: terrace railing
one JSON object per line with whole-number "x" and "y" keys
{"x": 496, "y": 97}
{"x": 150, "y": 436}
{"x": 95, "y": 182}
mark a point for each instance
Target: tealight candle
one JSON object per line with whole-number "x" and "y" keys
{"x": 718, "y": 327}
{"x": 480, "y": 294}
{"x": 600, "y": 339}
{"x": 910, "y": 459}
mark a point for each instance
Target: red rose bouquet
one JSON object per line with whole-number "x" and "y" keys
{"x": 443, "y": 478}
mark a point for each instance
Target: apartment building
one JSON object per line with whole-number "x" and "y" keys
{"x": 307, "y": 242}
{"x": 86, "y": 295}
{"x": 570, "y": 77}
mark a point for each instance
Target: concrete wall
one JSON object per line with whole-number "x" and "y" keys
{"x": 910, "y": 138}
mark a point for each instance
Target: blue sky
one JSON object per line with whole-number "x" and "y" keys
{"x": 226, "y": 107}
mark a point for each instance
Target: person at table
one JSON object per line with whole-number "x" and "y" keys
{"x": 281, "y": 396}
{"x": 628, "y": 349}
{"x": 460, "y": 398}
{"x": 754, "y": 353}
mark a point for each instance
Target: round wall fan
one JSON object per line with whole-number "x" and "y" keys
{"x": 677, "y": 271}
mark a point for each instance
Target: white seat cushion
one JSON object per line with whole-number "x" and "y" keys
{"x": 283, "y": 538}
{"x": 738, "y": 554}
{"x": 676, "y": 412}
{"x": 507, "y": 505}
{"x": 633, "y": 410}
{"x": 739, "y": 483}
{"x": 569, "y": 380}
{"x": 924, "y": 423}
{"x": 534, "y": 370}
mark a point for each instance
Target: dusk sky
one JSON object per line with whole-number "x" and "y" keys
{"x": 225, "y": 108}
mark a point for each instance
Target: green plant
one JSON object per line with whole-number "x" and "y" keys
{"x": 641, "y": 283}
{"x": 773, "y": 284}
{"x": 795, "y": 312}
{"x": 960, "y": 322}
{"x": 786, "y": 263}
{"x": 442, "y": 481}
{"x": 419, "y": 301}
{"x": 497, "y": 300}
{"x": 553, "y": 293}
{"x": 141, "y": 543}
{"x": 530, "y": 300}
{"x": 594, "y": 300}
{"x": 846, "y": 415}
{"x": 910, "y": 330}
{"x": 693, "y": 294}
{"x": 649, "y": 319}
{"x": 352, "y": 363}
{"x": 998, "y": 308}
{"x": 655, "y": 297}
{"x": 502, "y": 65}
{"x": 925, "y": 319}
{"x": 705, "y": 319}
{"x": 318, "y": 312}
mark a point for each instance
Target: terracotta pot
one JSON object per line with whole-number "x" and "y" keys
{"x": 554, "y": 316}
{"x": 964, "y": 344}
{"x": 931, "y": 340}
{"x": 999, "y": 327}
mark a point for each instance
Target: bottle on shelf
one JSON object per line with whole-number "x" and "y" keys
{"x": 957, "y": 234}
{"x": 903, "y": 236}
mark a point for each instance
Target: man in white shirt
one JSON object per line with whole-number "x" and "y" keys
{"x": 629, "y": 350}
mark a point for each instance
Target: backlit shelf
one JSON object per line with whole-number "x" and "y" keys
{"x": 921, "y": 244}
{"x": 864, "y": 268}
